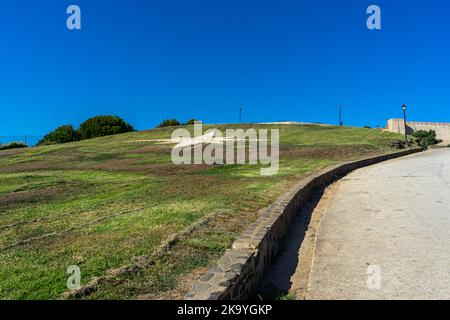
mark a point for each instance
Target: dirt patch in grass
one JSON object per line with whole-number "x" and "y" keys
{"x": 113, "y": 165}
{"x": 153, "y": 149}
{"x": 26, "y": 167}
{"x": 172, "y": 169}
{"x": 10, "y": 152}
{"x": 185, "y": 283}
{"x": 136, "y": 166}
{"x": 11, "y": 200}
{"x": 331, "y": 152}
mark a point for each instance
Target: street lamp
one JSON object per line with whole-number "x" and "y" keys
{"x": 240, "y": 114}
{"x": 404, "y": 121}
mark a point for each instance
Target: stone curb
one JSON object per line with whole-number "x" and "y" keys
{"x": 240, "y": 270}
{"x": 140, "y": 263}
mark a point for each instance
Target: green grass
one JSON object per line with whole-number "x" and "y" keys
{"x": 102, "y": 203}
{"x": 286, "y": 297}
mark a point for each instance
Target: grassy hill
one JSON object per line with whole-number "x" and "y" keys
{"x": 109, "y": 202}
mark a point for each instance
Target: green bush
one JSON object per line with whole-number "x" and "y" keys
{"x": 191, "y": 122}
{"x": 426, "y": 138}
{"x": 13, "y": 145}
{"x": 400, "y": 144}
{"x": 63, "y": 134}
{"x": 169, "y": 123}
{"x": 103, "y": 126}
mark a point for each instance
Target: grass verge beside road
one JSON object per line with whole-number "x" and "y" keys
{"x": 106, "y": 202}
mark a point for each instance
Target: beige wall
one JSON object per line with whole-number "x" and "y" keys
{"x": 442, "y": 129}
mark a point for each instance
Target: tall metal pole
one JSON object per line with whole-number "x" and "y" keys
{"x": 240, "y": 114}
{"x": 340, "y": 116}
{"x": 404, "y": 122}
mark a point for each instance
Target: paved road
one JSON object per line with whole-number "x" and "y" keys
{"x": 393, "y": 217}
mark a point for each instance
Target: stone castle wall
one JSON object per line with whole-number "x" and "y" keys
{"x": 442, "y": 129}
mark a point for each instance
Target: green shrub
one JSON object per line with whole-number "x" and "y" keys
{"x": 400, "y": 144}
{"x": 103, "y": 126}
{"x": 169, "y": 123}
{"x": 286, "y": 297}
{"x": 13, "y": 145}
{"x": 191, "y": 122}
{"x": 63, "y": 134}
{"x": 426, "y": 138}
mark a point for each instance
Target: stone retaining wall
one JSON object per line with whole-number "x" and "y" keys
{"x": 240, "y": 270}
{"x": 398, "y": 126}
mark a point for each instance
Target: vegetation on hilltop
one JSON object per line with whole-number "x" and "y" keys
{"x": 101, "y": 126}
{"x": 13, "y": 145}
{"x": 175, "y": 122}
{"x": 98, "y": 126}
{"x": 62, "y": 134}
{"x": 169, "y": 123}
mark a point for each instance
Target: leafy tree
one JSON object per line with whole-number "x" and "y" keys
{"x": 191, "y": 122}
{"x": 13, "y": 145}
{"x": 426, "y": 138}
{"x": 100, "y": 126}
{"x": 62, "y": 134}
{"x": 169, "y": 123}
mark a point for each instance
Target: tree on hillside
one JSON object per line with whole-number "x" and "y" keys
{"x": 12, "y": 145}
{"x": 169, "y": 123}
{"x": 191, "y": 122}
{"x": 100, "y": 126}
{"x": 62, "y": 134}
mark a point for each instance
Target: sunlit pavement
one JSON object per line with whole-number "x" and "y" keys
{"x": 386, "y": 233}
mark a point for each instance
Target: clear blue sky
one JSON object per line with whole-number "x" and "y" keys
{"x": 282, "y": 60}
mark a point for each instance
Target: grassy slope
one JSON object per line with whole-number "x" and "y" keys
{"x": 101, "y": 203}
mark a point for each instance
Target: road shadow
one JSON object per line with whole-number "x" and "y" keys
{"x": 277, "y": 279}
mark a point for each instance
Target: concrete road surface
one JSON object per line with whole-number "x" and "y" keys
{"x": 385, "y": 233}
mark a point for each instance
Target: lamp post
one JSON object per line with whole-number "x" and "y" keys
{"x": 340, "y": 116}
{"x": 404, "y": 121}
{"x": 240, "y": 114}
